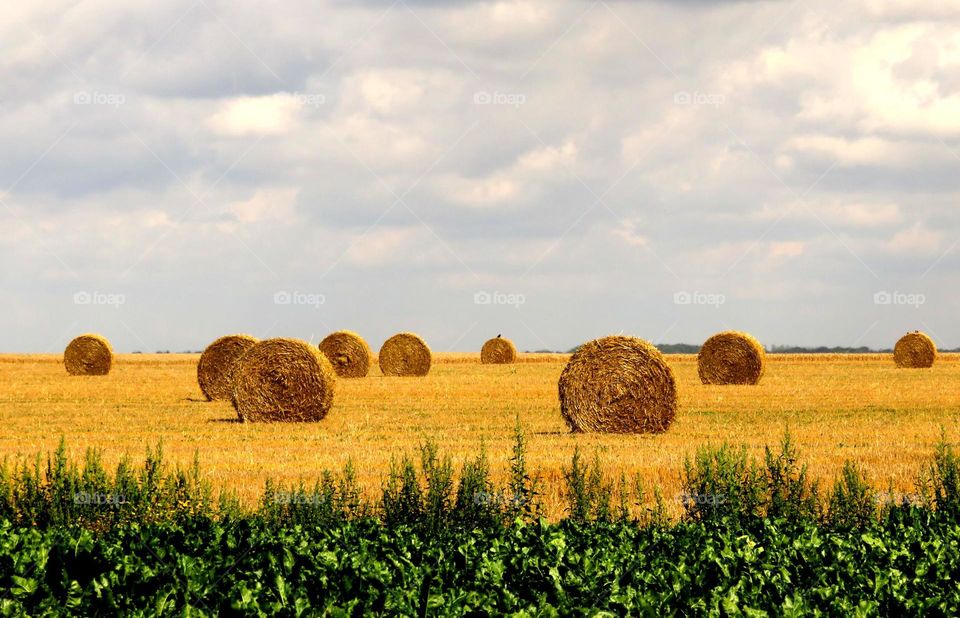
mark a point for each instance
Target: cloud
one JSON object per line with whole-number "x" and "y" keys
{"x": 793, "y": 160}
{"x": 917, "y": 239}
{"x": 266, "y": 115}
{"x": 276, "y": 204}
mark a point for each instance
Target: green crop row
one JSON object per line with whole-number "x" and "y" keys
{"x": 756, "y": 537}
{"x": 906, "y": 564}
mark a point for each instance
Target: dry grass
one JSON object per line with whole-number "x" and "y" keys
{"x": 405, "y": 354}
{"x": 217, "y": 364}
{"x": 837, "y": 407}
{"x": 915, "y": 350}
{"x": 498, "y": 351}
{"x": 283, "y": 380}
{"x": 731, "y": 357}
{"x": 88, "y": 355}
{"x": 618, "y": 384}
{"x": 348, "y": 352}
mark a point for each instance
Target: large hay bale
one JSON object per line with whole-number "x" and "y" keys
{"x": 618, "y": 385}
{"x": 348, "y": 353}
{"x": 88, "y": 355}
{"x": 217, "y": 364}
{"x": 498, "y": 351}
{"x": 405, "y": 354}
{"x": 915, "y": 351}
{"x": 283, "y": 380}
{"x": 731, "y": 357}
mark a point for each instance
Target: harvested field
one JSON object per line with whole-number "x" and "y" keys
{"x": 837, "y": 407}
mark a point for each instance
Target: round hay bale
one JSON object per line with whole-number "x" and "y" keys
{"x": 498, "y": 351}
{"x": 618, "y": 385}
{"x": 217, "y": 364}
{"x": 731, "y": 357}
{"x": 348, "y": 353}
{"x": 88, "y": 355}
{"x": 405, "y": 354}
{"x": 283, "y": 380}
{"x": 915, "y": 351}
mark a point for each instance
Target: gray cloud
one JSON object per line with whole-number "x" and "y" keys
{"x": 793, "y": 163}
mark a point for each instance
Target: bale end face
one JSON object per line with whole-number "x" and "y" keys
{"x": 88, "y": 355}
{"x": 618, "y": 385}
{"x": 498, "y": 351}
{"x": 348, "y": 353}
{"x": 405, "y": 354}
{"x": 283, "y": 380}
{"x": 731, "y": 357}
{"x": 218, "y": 364}
{"x": 915, "y": 350}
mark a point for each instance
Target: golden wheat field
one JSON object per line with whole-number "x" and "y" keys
{"x": 837, "y": 407}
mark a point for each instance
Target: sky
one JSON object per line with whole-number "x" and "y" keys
{"x": 552, "y": 171}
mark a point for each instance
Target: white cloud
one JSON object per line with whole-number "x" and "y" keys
{"x": 629, "y": 234}
{"x": 786, "y": 249}
{"x": 847, "y": 118}
{"x": 518, "y": 182}
{"x": 548, "y": 158}
{"x": 917, "y": 239}
{"x": 275, "y": 204}
{"x": 847, "y": 152}
{"x": 394, "y": 246}
{"x": 267, "y": 115}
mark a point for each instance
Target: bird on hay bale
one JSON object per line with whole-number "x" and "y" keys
{"x": 498, "y": 351}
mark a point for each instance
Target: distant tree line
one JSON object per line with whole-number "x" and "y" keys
{"x": 689, "y": 348}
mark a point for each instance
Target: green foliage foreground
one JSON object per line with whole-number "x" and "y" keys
{"x": 756, "y": 538}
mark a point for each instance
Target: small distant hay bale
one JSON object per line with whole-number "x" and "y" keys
{"x": 915, "y": 351}
{"x": 405, "y": 354}
{"x": 283, "y": 380}
{"x": 348, "y": 353}
{"x": 618, "y": 385}
{"x": 498, "y": 351}
{"x": 88, "y": 355}
{"x": 218, "y": 363}
{"x": 731, "y": 357}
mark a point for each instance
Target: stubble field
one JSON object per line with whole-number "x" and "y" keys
{"x": 860, "y": 408}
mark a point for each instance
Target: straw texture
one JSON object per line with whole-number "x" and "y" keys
{"x": 618, "y": 385}
{"x": 283, "y": 380}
